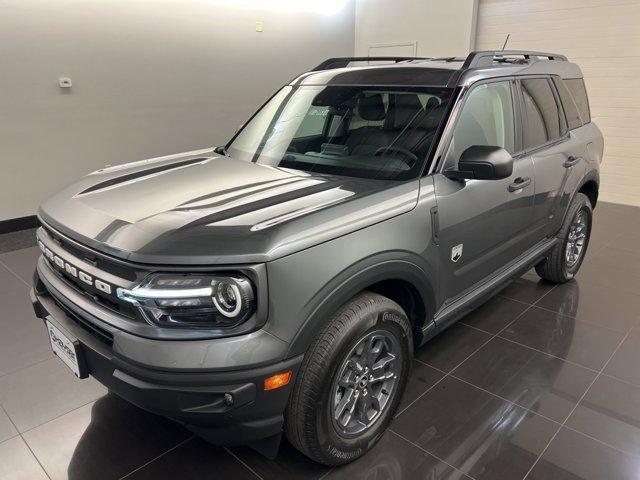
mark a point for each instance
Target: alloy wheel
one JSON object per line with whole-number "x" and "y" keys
{"x": 365, "y": 383}
{"x": 576, "y": 239}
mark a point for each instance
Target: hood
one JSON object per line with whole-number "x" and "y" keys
{"x": 200, "y": 209}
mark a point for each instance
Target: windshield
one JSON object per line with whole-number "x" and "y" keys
{"x": 357, "y": 131}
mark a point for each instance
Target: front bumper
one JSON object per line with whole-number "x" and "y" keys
{"x": 197, "y": 398}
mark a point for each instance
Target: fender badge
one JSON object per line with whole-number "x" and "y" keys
{"x": 456, "y": 253}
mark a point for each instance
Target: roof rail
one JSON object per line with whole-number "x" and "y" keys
{"x": 486, "y": 58}
{"x": 341, "y": 62}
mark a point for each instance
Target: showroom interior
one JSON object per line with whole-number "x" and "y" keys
{"x": 540, "y": 382}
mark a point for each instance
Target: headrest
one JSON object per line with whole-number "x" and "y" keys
{"x": 432, "y": 103}
{"x": 371, "y": 108}
{"x": 405, "y": 109}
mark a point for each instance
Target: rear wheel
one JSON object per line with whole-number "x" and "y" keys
{"x": 566, "y": 257}
{"x": 351, "y": 381}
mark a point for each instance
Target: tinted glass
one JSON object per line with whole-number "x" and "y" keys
{"x": 579, "y": 93}
{"x": 486, "y": 119}
{"x": 541, "y": 112}
{"x": 360, "y": 131}
{"x": 574, "y": 119}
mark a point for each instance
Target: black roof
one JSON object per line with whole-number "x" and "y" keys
{"x": 443, "y": 72}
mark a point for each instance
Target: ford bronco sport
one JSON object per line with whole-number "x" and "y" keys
{"x": 280, "y": 284}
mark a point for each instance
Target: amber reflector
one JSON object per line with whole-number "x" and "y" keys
{"x": 276, "y": 381}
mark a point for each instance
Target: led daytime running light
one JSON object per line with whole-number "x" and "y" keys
{"x": 154, "y": 293}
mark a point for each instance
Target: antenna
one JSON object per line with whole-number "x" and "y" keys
{"x": 505, "y": 41}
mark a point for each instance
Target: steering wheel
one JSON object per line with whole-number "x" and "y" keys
{"x": 410, "y": 157}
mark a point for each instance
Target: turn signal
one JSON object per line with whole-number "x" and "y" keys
{"x": 276, "y": 381}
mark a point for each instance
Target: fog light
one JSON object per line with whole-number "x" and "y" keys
{"x": 276, "y": 381}
{"x": 228, "y": 399}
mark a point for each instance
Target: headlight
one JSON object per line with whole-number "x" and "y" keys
{"x": 200, "y": 301}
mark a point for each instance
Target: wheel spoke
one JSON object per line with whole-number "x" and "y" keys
{"x": 347, "y": 402}
{"x": 375, "y": 402}
{"x": 372, "y": 350}
{"x": 381, "y": 378}
{"x": 355, "y": 366}
{"x": 382, "y": 364}
{"x": 362, "y": 410}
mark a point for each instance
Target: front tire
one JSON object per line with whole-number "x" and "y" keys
{"x": 351, "y": 381}
{"x": 566, "y": 257}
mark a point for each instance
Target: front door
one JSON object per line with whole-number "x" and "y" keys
{"x": 484, "y": 224}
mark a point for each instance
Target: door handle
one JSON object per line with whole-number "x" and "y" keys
{"x": 519, "y": 184}
{"x": 571, "y": 161}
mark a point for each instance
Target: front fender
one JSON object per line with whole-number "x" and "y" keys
{"x": 358, "y": 277}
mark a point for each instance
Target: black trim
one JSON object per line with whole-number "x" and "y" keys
{"x": 17, "y": 224}
{"x": 341, "y": 62}
{"x": 486, "y": 58}
{"x": 140, "y": 173}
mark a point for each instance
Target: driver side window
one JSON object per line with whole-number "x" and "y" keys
{"x": 486, "y": 119}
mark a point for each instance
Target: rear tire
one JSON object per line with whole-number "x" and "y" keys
{"x": 338, "y": 375}
{"x": 565, "y": 258}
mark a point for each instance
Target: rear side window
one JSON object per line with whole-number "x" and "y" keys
{"x": 574, "y": 119}
{"x": 542, "y": 123}
{"x": 579, "y": 94}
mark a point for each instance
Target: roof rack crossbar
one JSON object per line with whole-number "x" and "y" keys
{"x": 341, "y": 62}
{"x": 486, "y": 58}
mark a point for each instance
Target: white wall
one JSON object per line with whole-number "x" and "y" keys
{"x": 603, "y": 37}
{"x": 440, "y": 28}
{"x": 150, "y": 77}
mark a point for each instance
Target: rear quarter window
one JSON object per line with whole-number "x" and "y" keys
{"x": 541, "y": 113}
{"x": 571, "y": 111}
{"x": 579, "y": 94}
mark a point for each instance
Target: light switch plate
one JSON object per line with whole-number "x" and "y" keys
{"x": 64, "y": 82}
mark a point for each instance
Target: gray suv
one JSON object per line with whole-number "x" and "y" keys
{"x": 281, "y": 283}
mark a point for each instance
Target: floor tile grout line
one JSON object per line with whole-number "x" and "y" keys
{"x": 534, "y": 412}
{"x": 12, "y": 372}
{"x": 429, "y": 453}
{"x": 568, "y": 316}
{"x": 157, "y": 457}
{"x": 513, "y": 299}
{"x": 612, "y": 447}
{"x": 24, "y": 440}
{"x": 15, "y": 274}
{"x": 503, "y": 398}
{"x": 534, "y": 349}
{"x": 244, "y": 464}
{"x": 36, "y": 457}
{"x": 60, "y": 416}
{"x": 10, "y": 420}
{"x": 577, "y": 404}
{"x": 464, "y": 360}
{"x": 325, "y": 474}
{"x": 614, "y": 377}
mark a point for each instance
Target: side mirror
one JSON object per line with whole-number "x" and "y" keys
{"x": 483, "y": 162}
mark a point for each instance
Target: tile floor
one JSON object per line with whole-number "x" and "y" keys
{"x": 543, "y": 382}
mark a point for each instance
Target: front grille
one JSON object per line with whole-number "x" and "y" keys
{"x": 122, "y": 308}
{"x": 100, "y": 333}
{"x": 103, "y": 263}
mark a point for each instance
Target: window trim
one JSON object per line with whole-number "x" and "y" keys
{"x": 550, "y": 143}
{"x": 445, "y": 140}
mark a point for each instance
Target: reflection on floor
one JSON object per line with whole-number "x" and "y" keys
{"x": 542, "y": 382}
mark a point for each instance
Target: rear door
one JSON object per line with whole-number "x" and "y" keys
{"x": 483, "y": 223}
{"x": 558, "y": 156}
